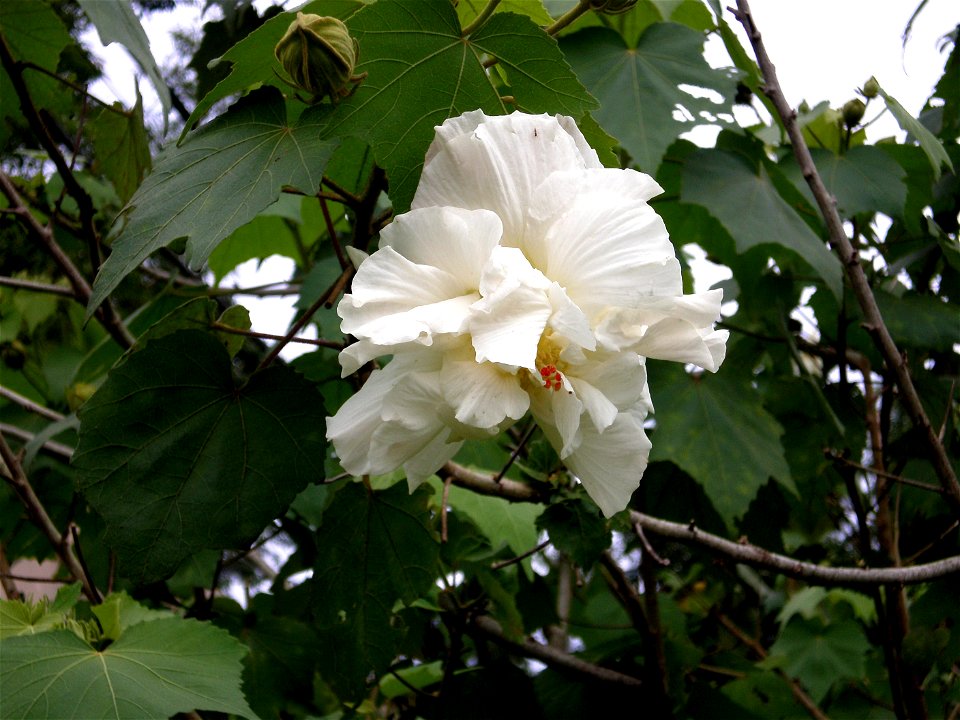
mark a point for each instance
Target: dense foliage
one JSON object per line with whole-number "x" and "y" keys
{"x": 792, "y": 549}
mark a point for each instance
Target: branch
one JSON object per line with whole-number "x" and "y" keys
{"x": 21, "y": 485}
{"x": 36, "y": 286}
{"x": 28, "y": 404}
{"x": 813, "y": 574}
{"x": 81, "y": 289}
{"x": 873, "y": 320}
{"x": 64, "y": 451}
{"x": 486, "y": 485}
{"x": 550, "y": 656}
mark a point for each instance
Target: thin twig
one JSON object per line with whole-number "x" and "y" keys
{"x": 37, "y": 286}
{"x": 516, "y": 452}
{"x": 64, "y": 451}
{"x": 319, "y": 342}
{"x": 491, "y": 629}
{"x": 519, "y": 558}
{"x": 567, "y": 18}
{"x": 838, "y": 458}
{"x": 28, "y": 404}
{"x": 873, "y": 320}
{"x": 7, "y": 579}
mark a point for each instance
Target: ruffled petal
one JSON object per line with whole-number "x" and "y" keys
{"x": 455, "y": 240}
{"x": 558, "y": 415}
{"x": 610, "y": 464}
{"x": 668, "y": 328}
{"x": 594, "y": 234}
{"x": 506, "y": 324}
{"x": 497, "y": 163}
{"x": 482, "y": 395}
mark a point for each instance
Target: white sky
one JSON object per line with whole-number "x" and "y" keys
{"x": 822, "y": 49}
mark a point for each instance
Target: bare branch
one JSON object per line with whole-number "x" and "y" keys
{"x": 552, "y": 657}
{"x": 28, "y": 404}
{"x": 36, "y": 286}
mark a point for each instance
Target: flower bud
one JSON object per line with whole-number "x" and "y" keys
{"x": 853, "y": 112}
{"x": 611, "y": 7}
{"x": 319, "y": 54}
{"x": 871, "y": 88}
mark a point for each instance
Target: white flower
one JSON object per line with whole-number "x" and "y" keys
{"x": 526, "y": 277}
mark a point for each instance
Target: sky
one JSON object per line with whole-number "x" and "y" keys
{"x": 822, "y": 50}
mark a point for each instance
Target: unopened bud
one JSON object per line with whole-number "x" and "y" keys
{"x": 853, "y": 112}
{"x": 871, "y": 88}
{"x": 78, "y": 393}
{"x": 611, "y": 7}
{"x": 319, "y": 54}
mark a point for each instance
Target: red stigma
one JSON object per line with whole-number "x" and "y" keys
{"x": 552, "y": 378}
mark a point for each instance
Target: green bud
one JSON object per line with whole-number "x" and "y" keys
{"x": 319, "y": 54}
{"x": 611, "y": 7}
{"x": 853, "y": 112}
{"x": 871, "y": 88}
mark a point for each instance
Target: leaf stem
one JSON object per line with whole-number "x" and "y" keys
{"x": 568, "y": 17}
{"x": 481, "y": 19}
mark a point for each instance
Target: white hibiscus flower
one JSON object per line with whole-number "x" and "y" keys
{"x": 526, "y": 277}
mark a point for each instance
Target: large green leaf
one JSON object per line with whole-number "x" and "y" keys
{"x": 716, "y": 430}
{"x": 638, "y": 88}
{"x": 116, "y": 22}
{"x": 373, "y": 549}
{"x": 577, "y": 529}
{"x": 819, "y": 655}
{"x": 921, "y": 321}
{"x": 155, "y": 670}
{"x": 746, "y": 201}
{"x": 420, "y": 71}
{"x": 177, "y": 458}
{"x": 218, "y": 180}
{"x": 864, "y": 180}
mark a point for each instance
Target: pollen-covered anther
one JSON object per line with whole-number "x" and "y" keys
{"x": 552, "y": 378}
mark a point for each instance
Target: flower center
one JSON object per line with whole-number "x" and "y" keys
{"x": 548, "y": 358}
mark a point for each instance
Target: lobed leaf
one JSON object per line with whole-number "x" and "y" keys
{"x": 177, "y": 458}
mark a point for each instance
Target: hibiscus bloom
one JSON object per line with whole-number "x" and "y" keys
{"x": 525, "y": 278}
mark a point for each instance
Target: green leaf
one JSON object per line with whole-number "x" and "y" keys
{"x": 467, "y": 10}
{"x": 503, "y": 522}
{"x": 744, "y": 199}
{"x": 119, "y": 611}
{"x": 638, "y": 88}
{"x": 116, "y": 22}
{"x": 420, "y": 71}
{"x": 715, "y": 429}
{"x": 121, "y": 150}
{"x": 819, "y": 655}
{"x": 865, "y": 180}
{"x": 252, "y": 62}
{"x": 218, "y": 180}
{"x": 576, "y": 528}
{"x": 931, "y": 145}
{"x": 177, "y": 458}
{"x": 155, "y": 670}
{"x": 373, "y": 549}
{"x": 920, "y": 321}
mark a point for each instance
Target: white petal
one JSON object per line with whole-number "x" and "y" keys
{"x": 568, "y": 320}
{"x": 668, "y": 328}
{"x": 610, "y": 464}
{"x": 425, "y": 463}
{"x": 481, "y": 394}
{"x": 597, "y": 405}
{"x": 506, "y": 324}
{"x": 620, "y": 376}
{"x": 452, "y": 239}
{"x": 595, "y": 234}
{"x": 497, "y": 163}
{"x": 558, "y": 415}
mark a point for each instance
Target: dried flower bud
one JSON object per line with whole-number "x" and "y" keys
{"x": 611, "y": 7}
{"x": 319, "y": 54}
{"x": 853, "y": 112}
{"x": 871, "y": 88}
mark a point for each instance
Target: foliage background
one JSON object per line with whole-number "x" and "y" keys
{"x": 161, "y": 452}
